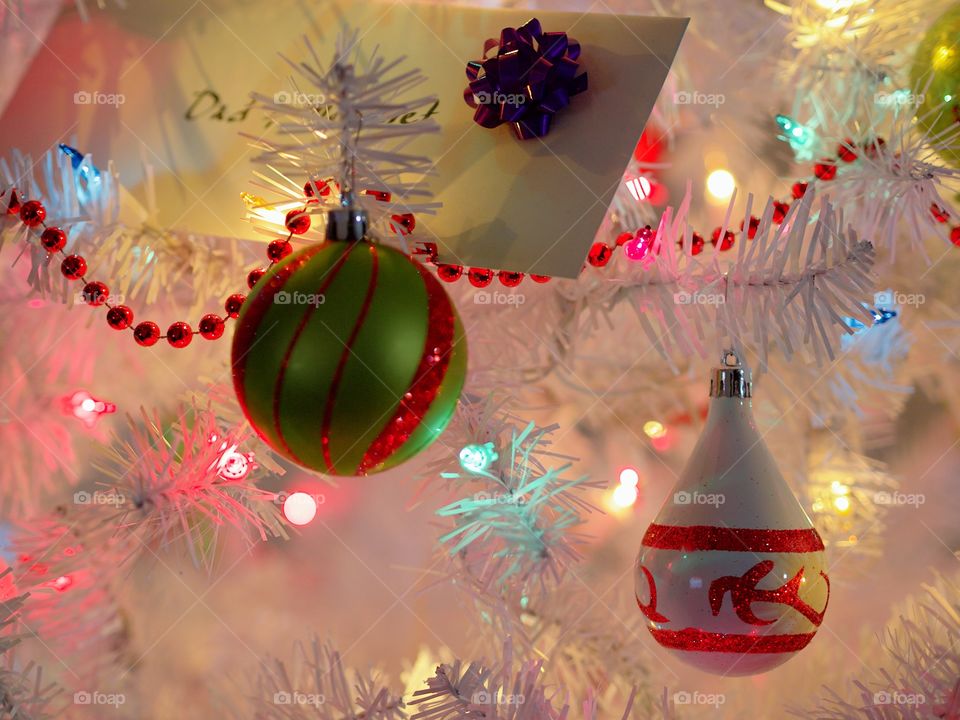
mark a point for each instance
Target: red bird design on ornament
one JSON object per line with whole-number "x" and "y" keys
{"x": 743, "y": 593}
{"x": 650, "y": 609}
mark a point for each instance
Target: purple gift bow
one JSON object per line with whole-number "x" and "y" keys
{"x": 524, "y": 85}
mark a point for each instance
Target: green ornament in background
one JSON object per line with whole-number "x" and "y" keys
{"x": 936, "y": 76}
{"x": 348, "y": 356}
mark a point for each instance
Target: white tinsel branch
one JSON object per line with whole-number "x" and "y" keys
{"x": 917, "y": 676}
{"x": 121, "y": 239}
{"x": 318, "y": 686}
{"x": 343, "y": 126}
{"x": 790, "y": 287}
{"x": 511, "y": 691}
{"x": 518, "y": 527}
{"x": 184, "y": 482}
{"x": 23, "y": 693}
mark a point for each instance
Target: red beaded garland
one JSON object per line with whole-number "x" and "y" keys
{"x": 13, "y": 207}
{"x": 73, "y": 267}
{"x": 697, "y": 243}
{"x": 211, "y": 326}
{"x": 798, "y": 189}
{"x": 752, "y": 228}
{"x": 509, "y": 278}
{"x": 233, "y": 304}
{"x": 32, "y": 213}
{"x": 253, "y": 277}
{"x": 845, "y": 151}
{"x": 179, "y": 335}
{"x": 600, "y": 254}
{"x": 297, "y": 221}
{"x": 955, "y": 235}
{"x": 449, "y": 273}
{"x": 780, "y": 210}
{"x": 380, "y": 195}
{"x": 95, "y": 293}
{"x": 624, "y": 237}
{"x": 322, "y": 185}
{"x": 825, "y": 170}
{"x": 939, "y": 214}
{"x": 146, "y": 333}
{"x": 872, "y": 148}
{"x": 278, "y": 250}
{"x": 480, "y": 277}
{"x": 406, "y": 221}
{"x": 120, "y": 317}
{"x": 540, "y": 278}
{"x": 728, "y": 239}
{"x": 53, "y": 239}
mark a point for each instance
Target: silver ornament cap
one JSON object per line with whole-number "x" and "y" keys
{"x": 349, "y": 222}
{"x": 731, "y": 379}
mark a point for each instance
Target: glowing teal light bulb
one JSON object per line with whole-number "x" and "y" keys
{"x": 799, "y": 136}
{"x": 476, "y": 458}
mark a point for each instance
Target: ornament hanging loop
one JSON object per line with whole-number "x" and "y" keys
{"x": 732, "y": 378}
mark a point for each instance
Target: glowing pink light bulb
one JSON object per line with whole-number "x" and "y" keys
{"x": 638, "y": 249}
{"x": 86, "y": 408}
{"x": 62, "y": 583}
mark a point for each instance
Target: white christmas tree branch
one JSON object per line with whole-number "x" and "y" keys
{"x": 353, "y": 123}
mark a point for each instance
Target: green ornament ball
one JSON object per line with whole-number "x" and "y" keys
{"x": 935, "y": 75}
{"x": 348, "y": 358}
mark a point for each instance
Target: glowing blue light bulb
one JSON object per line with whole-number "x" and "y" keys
{"x": 476, "y": 458}
{"x": 87, "y": 175}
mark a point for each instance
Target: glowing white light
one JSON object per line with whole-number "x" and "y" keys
{"x": 639, "y": 187}
{"x": 299, "y": 508}
{"x": 629, "y": 477}
{"x": 654, "y": 429}
{"x": 839, "y": 488}
{"x": 842, "y": 503}
{"x": 88, "y": 404}
{"x": 720, "y": 184}
{"x": 624, "y": 496}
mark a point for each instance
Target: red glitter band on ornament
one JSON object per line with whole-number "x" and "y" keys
{"x": 281, "y": 375}
{"x": 426, "y": 380}
{"x": 694, "y": 640}
{"x": 345, "y": 356}
{"x": 254, "y": 312}
{"x": 710, "y": 537}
